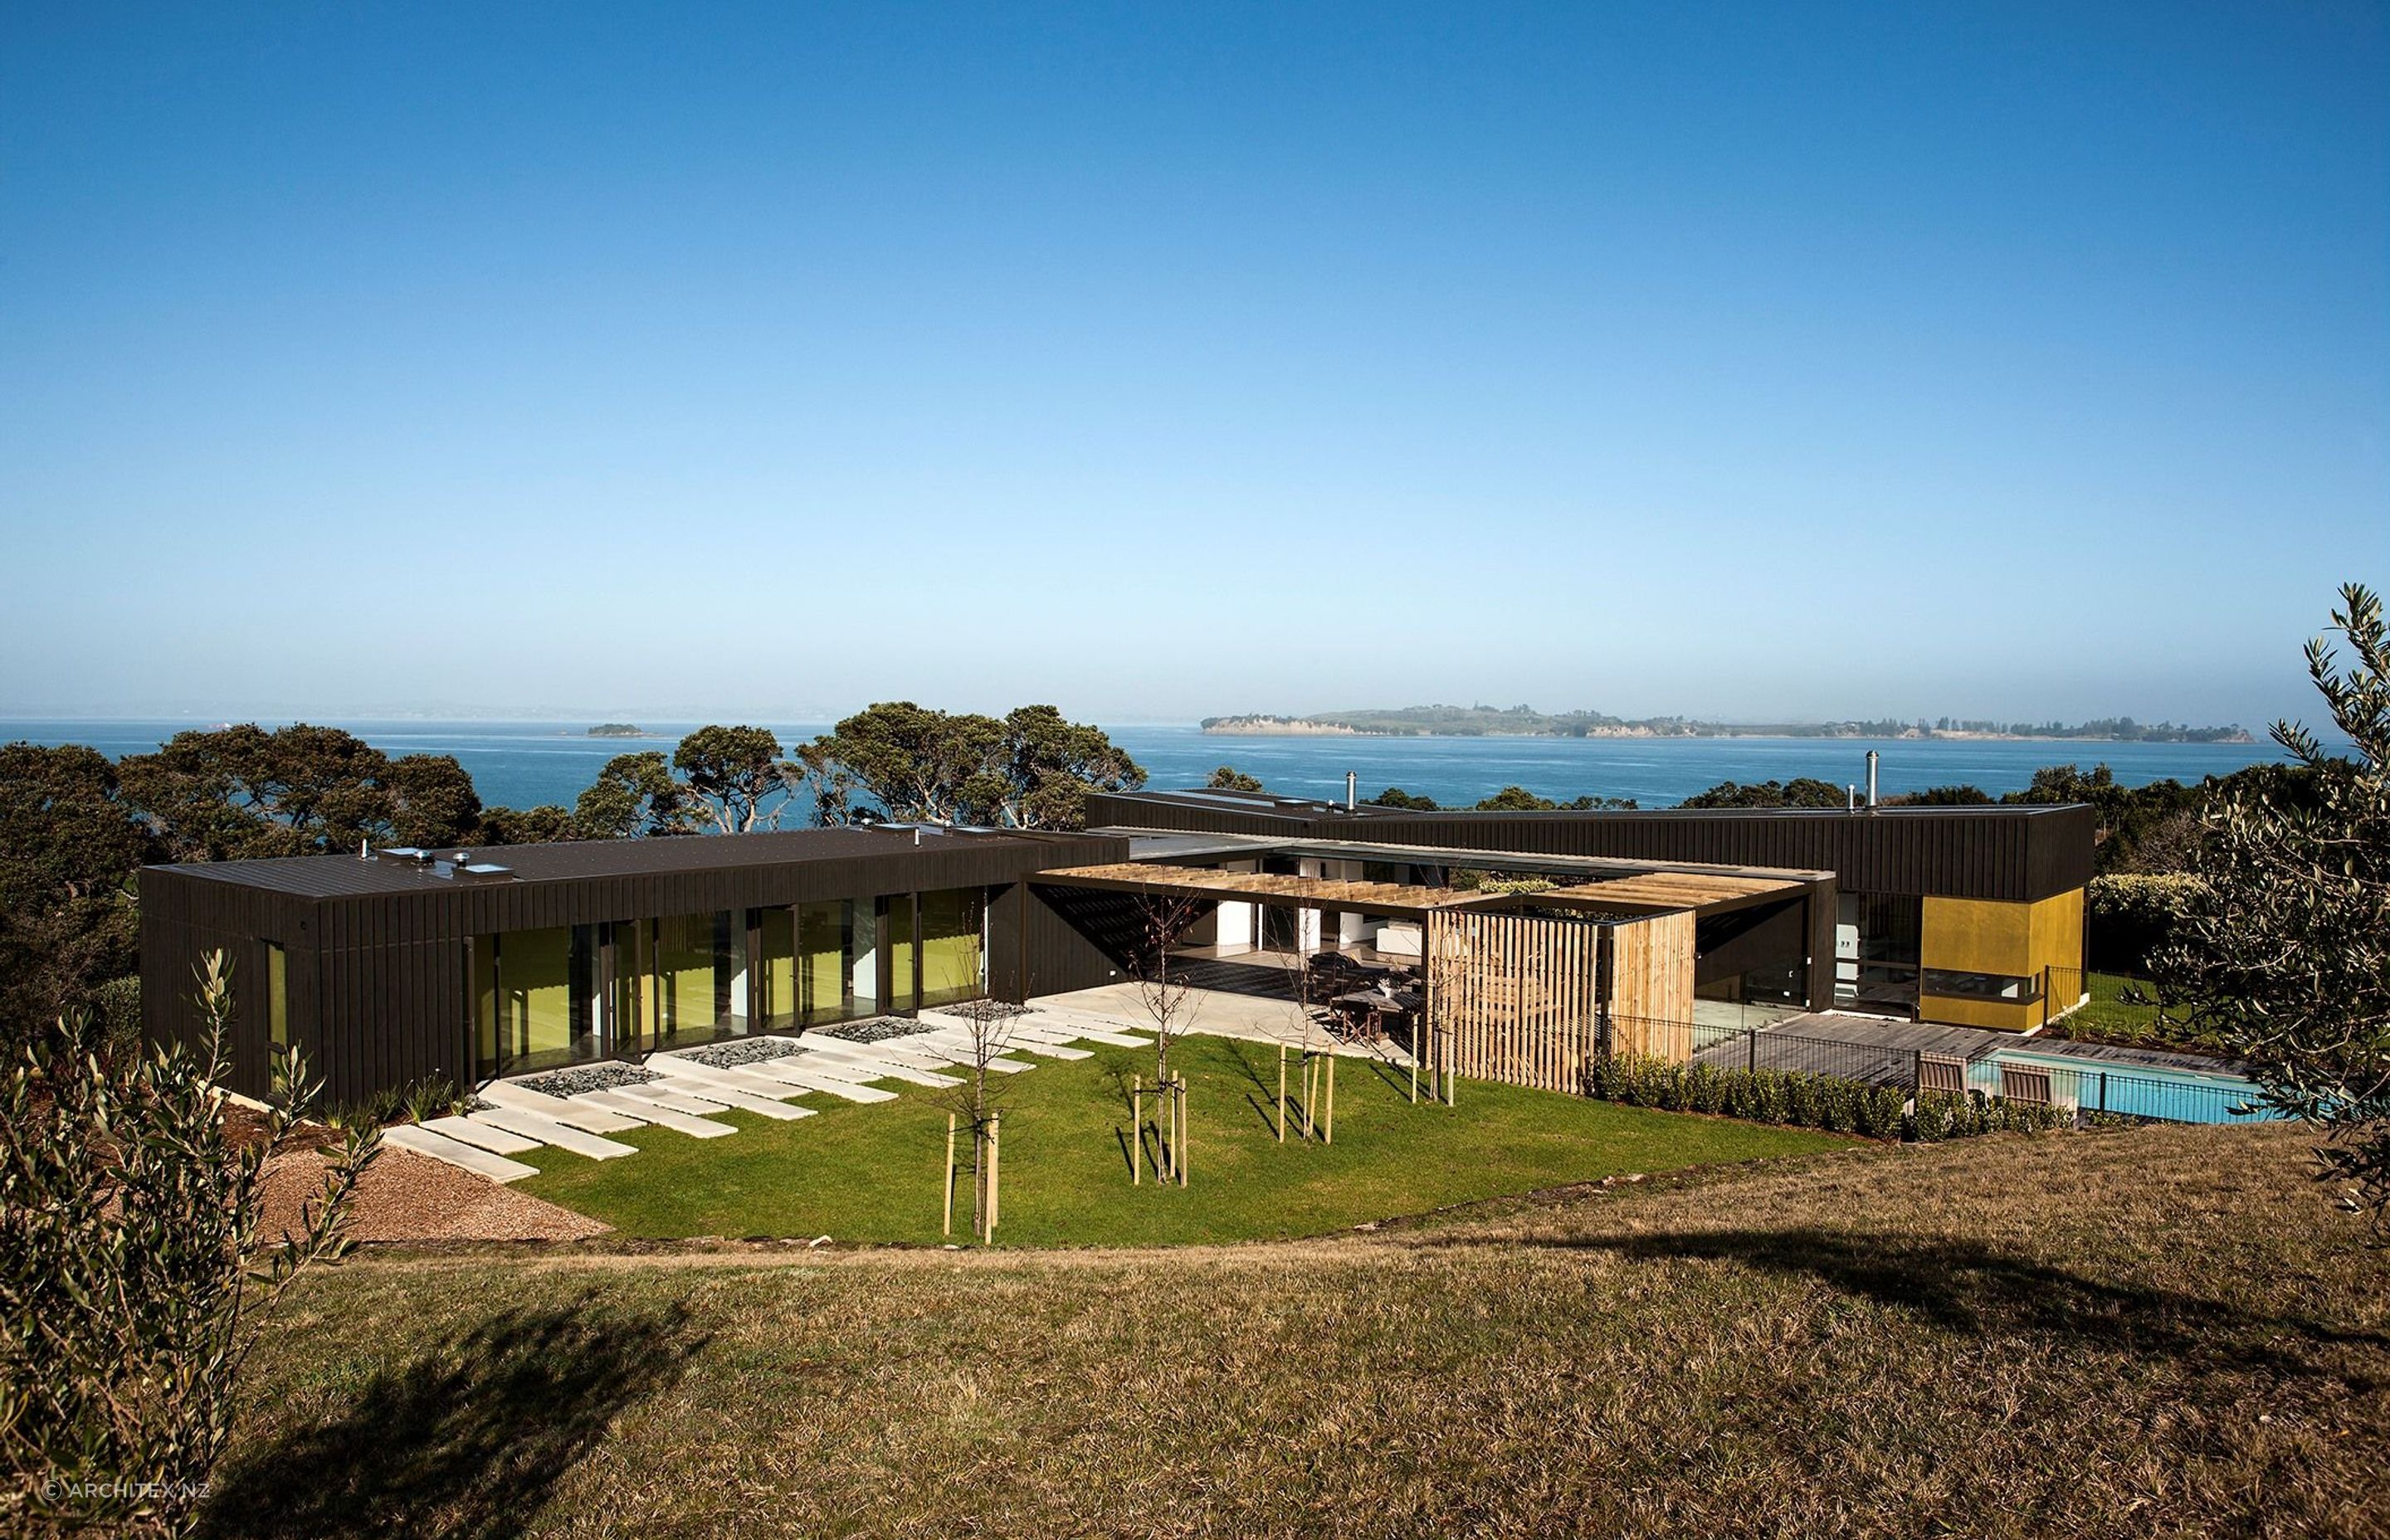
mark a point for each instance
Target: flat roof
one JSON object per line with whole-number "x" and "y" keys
{"x": 351, "y": 876}
{"x": 1147, "y": 845}
{"x": 1297, "y": 807}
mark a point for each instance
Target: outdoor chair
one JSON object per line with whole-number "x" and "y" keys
{"x": 2021, "y": 1083}
{"x": 1941, "y": 1073}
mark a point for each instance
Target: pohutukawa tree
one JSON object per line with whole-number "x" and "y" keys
{"x": 2283, "y": 956}
{"x": 1030, "y": 769}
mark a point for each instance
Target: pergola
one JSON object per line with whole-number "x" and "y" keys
{"x": 1410, "y": 900}
{"x": 1703, "y": 892}
{"x": 1655, "y": 892}
{"x": 1521, "y": 987}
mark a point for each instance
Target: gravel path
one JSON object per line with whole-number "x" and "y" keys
{"x": 408, "y": 1197}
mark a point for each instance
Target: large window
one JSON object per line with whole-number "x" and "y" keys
{"x": 775, "y": 931}
{"x": 896, "y": 933}
{"x": 1876, "y": 939}
{"x": 953, "y": 953}
{"x": 1982, "y": 986}
{"x": 277, "y": 996}
{"x": 701, "y": 978}
{"x": 538, "y": 998}
{"x": 825, "y": 974}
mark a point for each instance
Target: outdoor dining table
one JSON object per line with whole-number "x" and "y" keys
{"x": 1379, "y": 1007}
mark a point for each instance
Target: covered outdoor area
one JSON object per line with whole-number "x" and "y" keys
{"x": 1520, "y": 982}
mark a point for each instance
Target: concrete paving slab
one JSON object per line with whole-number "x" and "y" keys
{"x": 547, "y": 1131}
{"x": 813, "y": 1080}
{"x": 497, "y": 1141}
{"x": 662, "y": 1117}
{"x": 592, "y": 1120}
{"x": 695, "y": 1104}
{"x": 706, "y": 1094}
{"x": 481, "y": 1163}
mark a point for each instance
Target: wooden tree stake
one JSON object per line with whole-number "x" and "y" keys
{"x": 1135, "y": 1129}
{"x": 1328, "y": 1118}
{"x": 950, "y": 1174}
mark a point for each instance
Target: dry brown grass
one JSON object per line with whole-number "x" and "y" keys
{"x": 2158, "y": 1332}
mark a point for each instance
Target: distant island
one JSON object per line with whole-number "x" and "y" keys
{"x": 1526, "y": 722}
{"x": 616, "y": 729}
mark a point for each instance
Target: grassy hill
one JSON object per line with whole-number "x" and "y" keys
{"x": 2156, "y": 1331}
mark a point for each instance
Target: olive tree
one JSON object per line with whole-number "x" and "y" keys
{"x": 138, "y": 1270}
{"x": 2283, "y": 953}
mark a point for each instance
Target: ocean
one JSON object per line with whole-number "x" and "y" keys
{"x": 525, "y": 764}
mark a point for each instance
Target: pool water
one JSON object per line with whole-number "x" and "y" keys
{"x": 2134, "y": 1090}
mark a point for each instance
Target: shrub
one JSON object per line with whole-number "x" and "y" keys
{"x": 1804, "y": 1100}
{"x": 2128, "y": 916}
{"x": 427, "y": 1100}
{"x": 116, "y": 1011}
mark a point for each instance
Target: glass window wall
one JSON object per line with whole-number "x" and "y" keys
{"x": 277, "y": 996}
{"x": 824, "y": 976}
{"x": 899, "y": 937}
{"x": 954, "y": 956}
{"x": 538, "y": 1005}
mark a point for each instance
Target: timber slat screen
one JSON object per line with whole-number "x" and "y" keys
{"x": 1516, "y": 998}
{"x": 1652, "y": 986}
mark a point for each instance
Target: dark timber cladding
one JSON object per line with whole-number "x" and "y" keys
{"x": 2014, "y": 854}
{"x": 377, "y": 950}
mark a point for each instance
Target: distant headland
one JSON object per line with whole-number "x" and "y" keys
{"x": 1526, "y": 722}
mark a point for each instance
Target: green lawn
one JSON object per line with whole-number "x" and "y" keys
{"x": 2107, "y": 1018}
{"x": 872, "y": 1173}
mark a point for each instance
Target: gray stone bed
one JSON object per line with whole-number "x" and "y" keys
{"x": 587, "y": 1077}
{"x": 987, "y": 1010}
{"x": 744, "y": 1050}
{"x": 877, "y": 1029}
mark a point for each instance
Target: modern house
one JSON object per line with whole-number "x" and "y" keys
{"x": 398, "y": 965}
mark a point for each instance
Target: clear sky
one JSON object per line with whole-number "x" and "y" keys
{"x": 1754, "y": 360}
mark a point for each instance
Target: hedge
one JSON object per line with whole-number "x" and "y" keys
{"x": 2129, "y": 914}
{"x": 1804, "y": 1100}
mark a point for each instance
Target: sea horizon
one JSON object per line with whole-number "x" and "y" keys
{"x": 527, "y": 762}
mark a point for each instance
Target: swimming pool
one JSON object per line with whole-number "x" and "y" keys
{"x": 2132, "y": 1090}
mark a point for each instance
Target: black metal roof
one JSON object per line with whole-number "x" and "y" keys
{"x": 353, "y": 876}
{"x": 2012, "y": 852}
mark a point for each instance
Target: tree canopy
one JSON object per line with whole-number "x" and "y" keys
{"x": 2283, "y": 956}
{"x": 1032, "y": 769}
{"x": 1800, "y": 791}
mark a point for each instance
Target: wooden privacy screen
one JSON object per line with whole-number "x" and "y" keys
{"x": 1652, "y": 986}
{"x": 1517, "y": 998}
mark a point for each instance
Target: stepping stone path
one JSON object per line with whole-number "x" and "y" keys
{"x": 574, "y": 1109}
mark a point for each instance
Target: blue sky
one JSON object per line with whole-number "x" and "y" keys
{"x": 1804, "y": 360}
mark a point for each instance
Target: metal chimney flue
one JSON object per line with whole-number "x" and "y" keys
{"x": 1870, "y": 780}
{"x": 1352, "y": 790}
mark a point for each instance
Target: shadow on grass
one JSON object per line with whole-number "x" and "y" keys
{"x": 1970, "y": 1289}
{"x": 466, "y": 1441}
